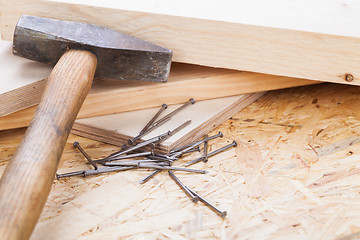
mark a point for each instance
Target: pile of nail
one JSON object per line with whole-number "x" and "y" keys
{"x": 142, "y": 155}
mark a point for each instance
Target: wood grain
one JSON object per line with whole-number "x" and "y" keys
{"x": 27, "y": 180}
{"x": 303, "y": 39}
{"x": 22, "y": 87}
{"x": 22, "y": 80}
{"x": 186, "y": 81}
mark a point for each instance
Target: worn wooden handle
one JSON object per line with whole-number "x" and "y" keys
{"x": 27, "y": 180}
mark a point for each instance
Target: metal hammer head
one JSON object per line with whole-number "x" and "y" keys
{"x": 119, "y": 55}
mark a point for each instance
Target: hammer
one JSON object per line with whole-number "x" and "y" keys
{"x": 79, "y": 51}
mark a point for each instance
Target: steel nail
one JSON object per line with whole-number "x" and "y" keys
{"x": 142, "y": 154}
{"x": 69, "y": 174}
{"x": 140, "y": 145}
{"x": 176, "y": 130}
{"x": 136, "y": 163}
{"x": 77, "y": 145}
{"x": 164, "y": 156}
{"x": 205, "y": 154}
{"x": 147, "y": 126}
{"x": 215, "y": 209}
{"x": 163, "y": 107}
{"x": 193, "y": 197}
{"x": 151, "y": 175}
{"x": 159, "y": 158}
{"x": 197, "y": 143}
{"x": 196, "y": 149}
{"x": 155, "y": 166}
{"x": 233, "y": 144}
{"x": 106, "y": 170}
{"x": 168, "y": 116}
{"x": 163, "y": 120}
{"x": 93, "y": 171}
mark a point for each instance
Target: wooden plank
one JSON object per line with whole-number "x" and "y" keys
{"x": 21, "y": 84}
{"x": 304, "y": 39}
{"x": 186, "y": 81}
{"x": 302, "y": 196}
{"x": 22, "y": 87}
{"x": 205, "y": 115}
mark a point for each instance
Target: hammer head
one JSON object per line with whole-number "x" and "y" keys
{"x": 119, "y": 55}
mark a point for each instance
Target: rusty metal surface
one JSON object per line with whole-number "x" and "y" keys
{"x": 119, "y": 55}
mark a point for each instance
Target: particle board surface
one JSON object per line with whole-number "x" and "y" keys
{"x": 273, "y": 186}
{"x": 316, "y": 40}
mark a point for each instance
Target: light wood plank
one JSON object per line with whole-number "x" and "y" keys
{"x": 21, "y": 81}
{"x": 316, "y": 40}
{"x": 205, "y": 115}
{"x": 186, "y": 81}
{"x": 22, "y": 87}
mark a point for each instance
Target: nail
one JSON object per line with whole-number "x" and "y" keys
{"x": 163, "y": 107}
{"x": 164, "y": 156}
{"x": 176, "y": 130}
{"x": 150, "y": 165}
{"x": 136, "y": 163}
{"x": 196, "y": 149}
{"x": 163, "y": 120}
{"x": 69, "y": 174}
{"x": 205, "y": 154}
{"x": 160, "y": 158}
{"x": 77, "y": 145}
{"x": 151, "y": 175}
{"x": 140, "y": 145}
{"x": 93, "y": 171}
{"x": 152, "y": 120}
{"x": 197, "y": 143}
{"x": 181, "y": 152}
{"x": 215, "y": 209}
{"x": 142, "y": 154}
{"x": 233, "y": 144}
{"x": 193, "y": 197}
{"x": 106, "y": 170}
{"x": 191, "y": 101}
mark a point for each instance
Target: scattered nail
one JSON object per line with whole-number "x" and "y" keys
{"x": 193, "y": 197}
{"x": 151, "y": 175}
{"x": 215, "y": 209}
{"x": 77, "y": 145}
{"x": 233, "y": 144}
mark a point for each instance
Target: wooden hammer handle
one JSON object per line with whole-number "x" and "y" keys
{"x": 27, "y": 180}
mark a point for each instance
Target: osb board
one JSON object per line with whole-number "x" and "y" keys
{"x": 274, "y": 185}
